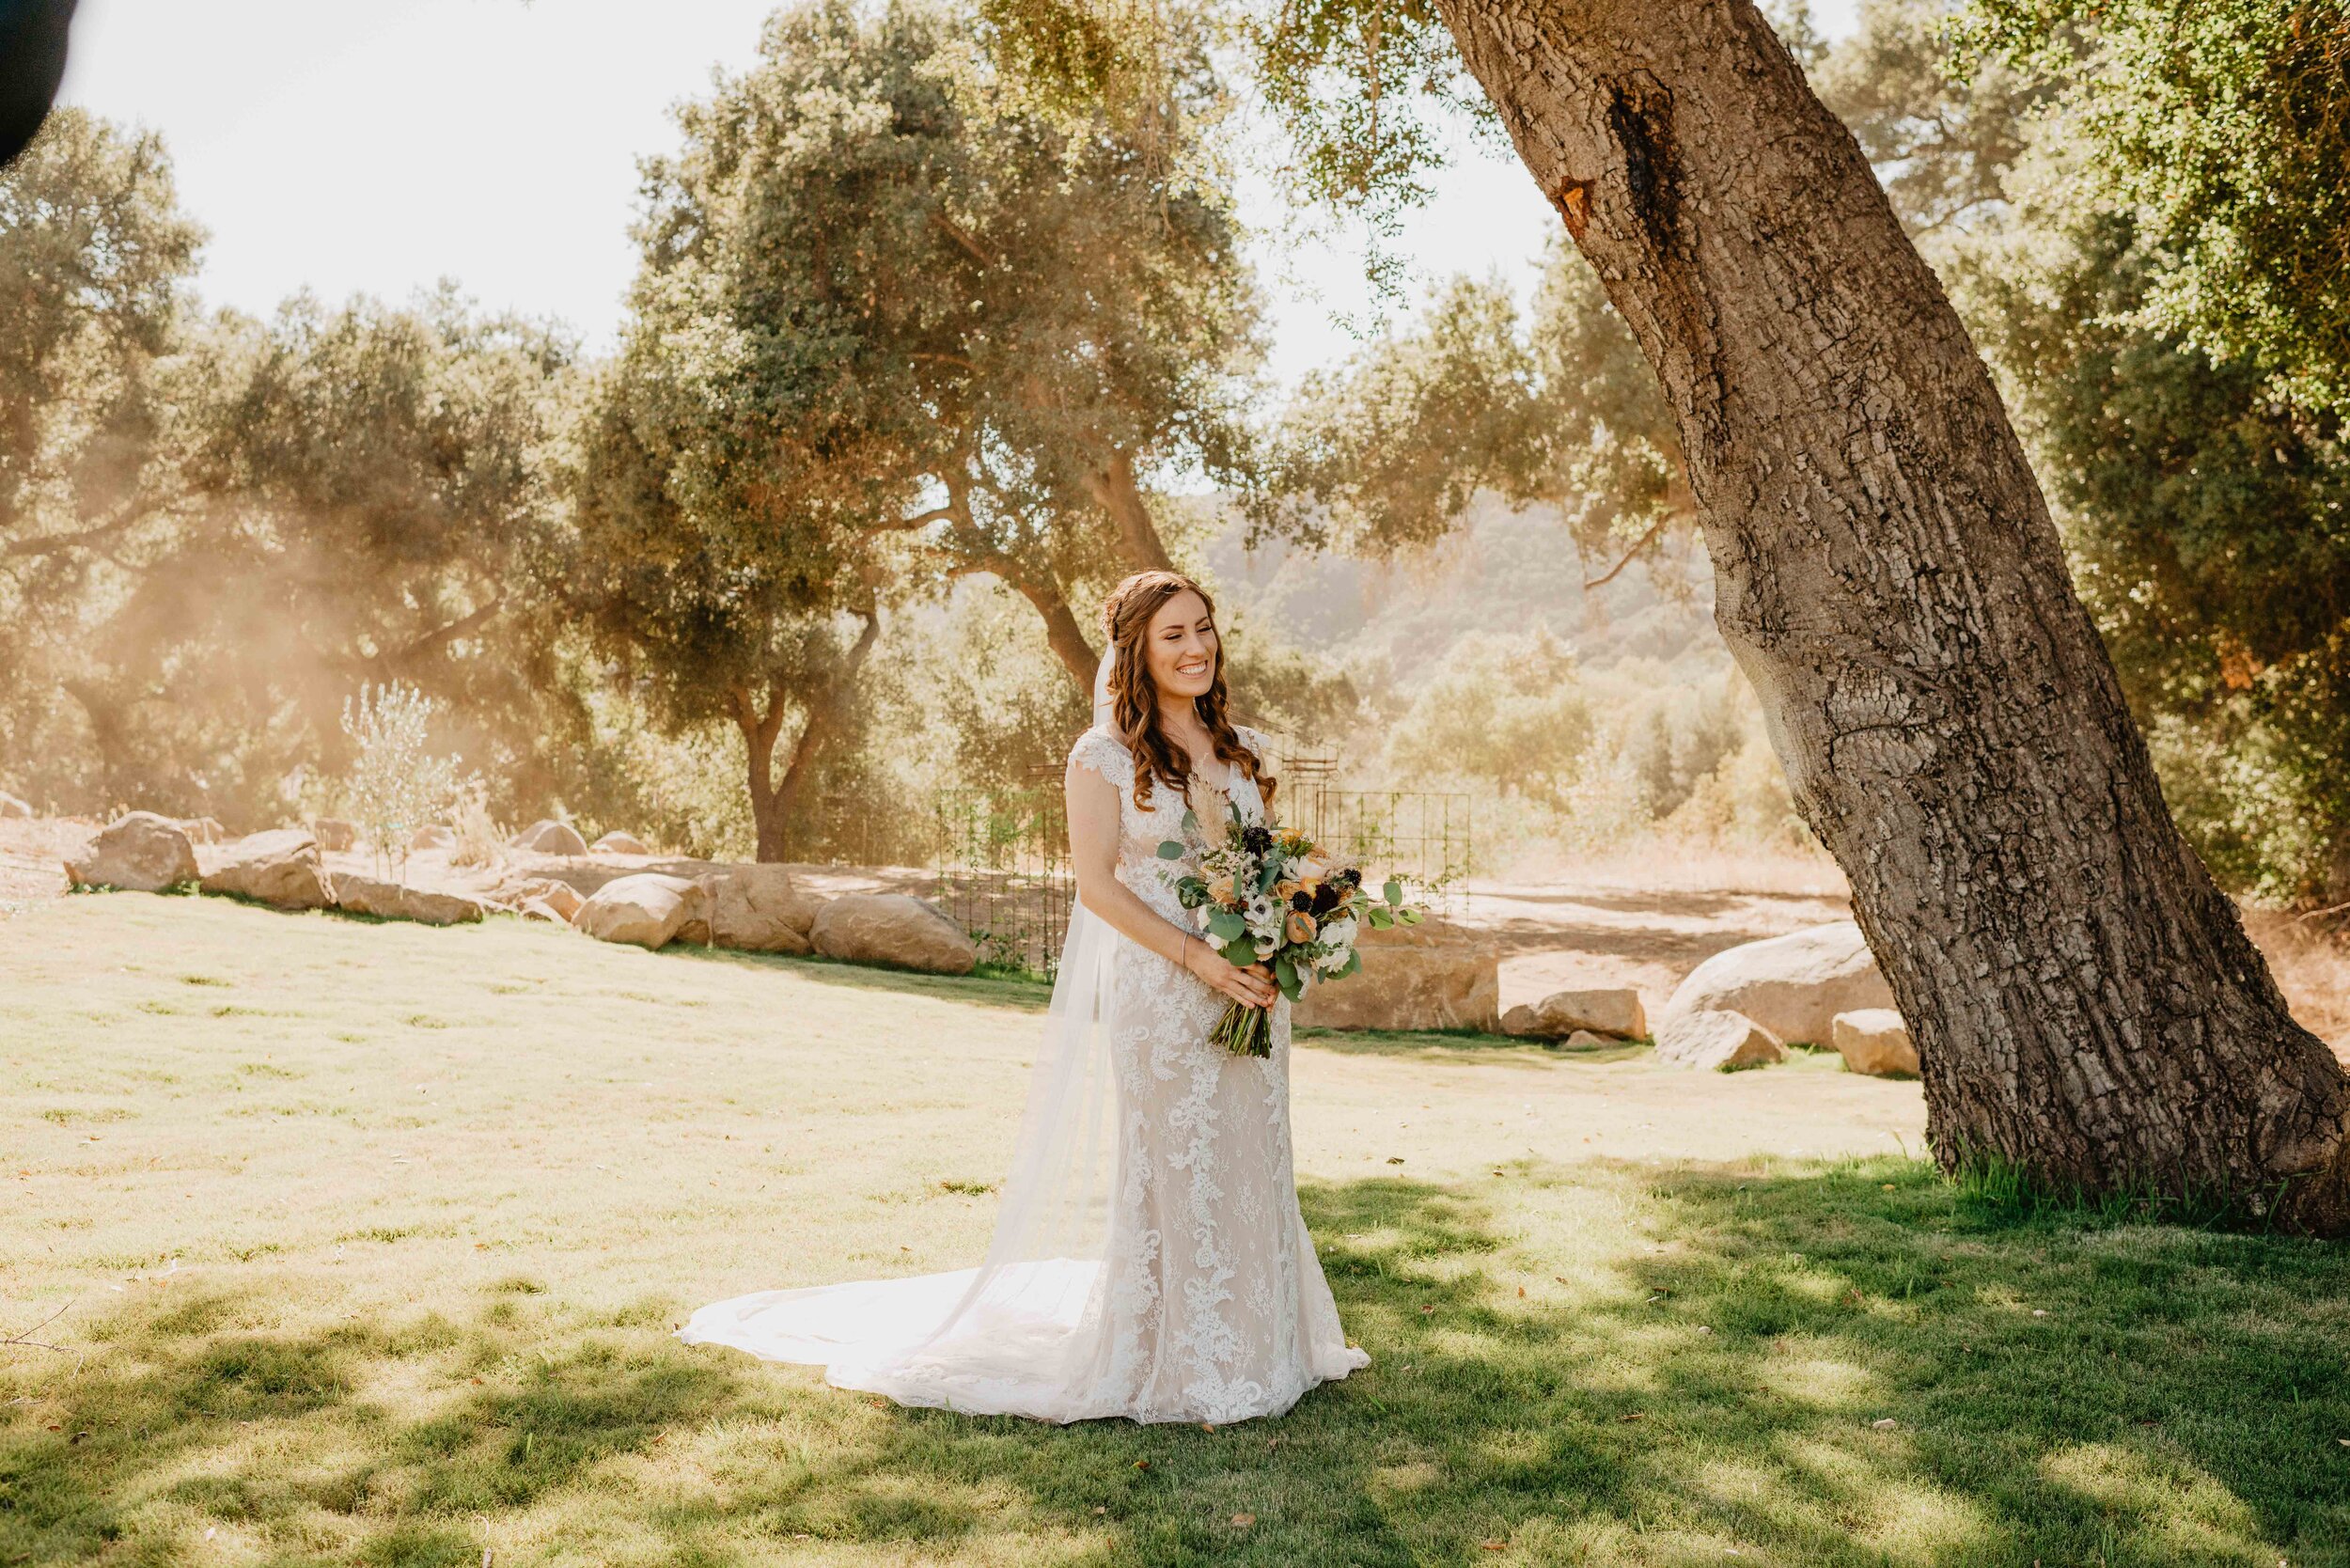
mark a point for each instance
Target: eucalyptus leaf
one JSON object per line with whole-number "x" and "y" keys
{"x": 1393, "y": 890}
{"x": 1225, "y": 926}
{"x": 1171, "y": 850}
{"x": 1381, "y": 916}
{"x": 1239, "y": 952}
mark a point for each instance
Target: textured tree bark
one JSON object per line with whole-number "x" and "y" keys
{"x": 761, "y": 724}
{"x": 2084, "y": 999}
{"x": 824, "y": 720}
{"x": 775, "y": 801}
{"x": 1062, "y": 633}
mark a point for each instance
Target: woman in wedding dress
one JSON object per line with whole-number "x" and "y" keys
{"x": 1149, "y": 1260}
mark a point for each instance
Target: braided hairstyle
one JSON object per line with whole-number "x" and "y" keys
{"x": 1126, "y": 615}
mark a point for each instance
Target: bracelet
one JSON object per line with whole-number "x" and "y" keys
{"x": 1184, "y": 957}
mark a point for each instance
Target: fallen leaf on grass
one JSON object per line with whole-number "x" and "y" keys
{"x": 1633, "y": 1416}
{"x": 1495, "y": 1545}
{"x": 1099, "y": 1511}
{"x": 1395, "y": 1159}
{"x": 1885, "y": 1424}
{"x": 1142, "y": 1463}
{"x": 1425, "y": 1310}
{"x": 1241, "y": 1521}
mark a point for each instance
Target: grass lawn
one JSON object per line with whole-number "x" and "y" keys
{"x": 370, "y": 1239}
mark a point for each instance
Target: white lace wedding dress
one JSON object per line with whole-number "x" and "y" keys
{"x": 1148, "y": 1260}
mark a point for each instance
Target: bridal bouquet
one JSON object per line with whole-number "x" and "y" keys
{"x": 1266, "y": 895}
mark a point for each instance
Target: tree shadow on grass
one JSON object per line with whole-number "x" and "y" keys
{"x": 1714, "y": 1382}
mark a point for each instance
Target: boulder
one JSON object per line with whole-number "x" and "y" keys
{"x": 647, "y": 910}
{"x": 539, "y": 909}
{"x": 1717, "y": 1037}
{"x": 617, "y": 843}
{"x": 1615, "y": 1012}
{"x": 1584, "y": 1040}
{"x": 140, "y": 852}
{"x": 1874, "y": 1041}
{"x": 561, "y": 897}
{"x": 896, "y": 929}
{"x": 335, "y": 835}
{"x": 13, "y": 809}
{"x": 203, "y": 830}
{"x": 278, "y": 868}
{"x": 1430, "y": 976}
{"x": 1792, "y": 985}
{"x": 393, "y": 901}
{"x": 434, "y": 836}
{"x": 760, "y": 909}
{"x": 549, "y": 837}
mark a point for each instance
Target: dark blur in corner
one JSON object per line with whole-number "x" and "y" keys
{"x": 32, "y": 63}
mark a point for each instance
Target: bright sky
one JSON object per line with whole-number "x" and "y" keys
{"x": 376, "y": 147}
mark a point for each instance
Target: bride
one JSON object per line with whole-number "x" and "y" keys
{"x": 1149, "y": 1260}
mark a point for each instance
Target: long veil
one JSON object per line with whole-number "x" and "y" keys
{"x": 1024, "y": 1333}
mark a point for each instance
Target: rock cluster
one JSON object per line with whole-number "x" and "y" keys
{"x": 279, "y": 867}
{"x": 760, "y": 909}
{"x": 395, "y": 901}
{"x": 1615, "y": 1013}
{"x": 647, "y": 910}
{"x": 1743, "y": 1007}
{"x": 1430, "y": 976}
{"x": 140, "y": 852}
{"x": 1874, "y": 1041}
{"x": 549, "y": 837}
{"x": 893, "y": 928}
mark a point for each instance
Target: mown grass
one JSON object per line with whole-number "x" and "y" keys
{"x": 380, "y": 1264}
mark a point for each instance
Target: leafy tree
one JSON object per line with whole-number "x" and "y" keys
{"x": 95, "y": 257}
{"x": 1389, "y": 452}
{"x": 213, "y": 532}
{"x": 1023, "y": 317}
{"x": 354, "y": 490}
{"x": 2224, "y": 130}
{"x": 1889, "y": 575}
{"x": 2209, "y": 519}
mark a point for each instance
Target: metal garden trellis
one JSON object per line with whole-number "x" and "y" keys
{"x": 1002, "y": 858}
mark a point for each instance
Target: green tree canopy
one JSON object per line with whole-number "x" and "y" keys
{"x": 2223, "y": 129}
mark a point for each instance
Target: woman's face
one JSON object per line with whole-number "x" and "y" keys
{"x": 1180, "y": 648}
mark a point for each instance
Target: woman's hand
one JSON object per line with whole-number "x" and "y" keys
{"x": 1250, "y": 987}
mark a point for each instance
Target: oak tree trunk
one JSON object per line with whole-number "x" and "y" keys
{"x": 2083, "y": 996}
{"x": 775, "y": 801}
{"x": 1061, "y": 631}
{"x": 1118, "y": 493}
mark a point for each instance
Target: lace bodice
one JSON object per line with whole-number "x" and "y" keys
{"x": 1141, "y": 830}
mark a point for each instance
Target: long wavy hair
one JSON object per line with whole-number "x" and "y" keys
{"x": 1126, "y": 617}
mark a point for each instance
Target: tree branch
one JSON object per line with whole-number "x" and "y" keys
{"x": 1629, "y": 556}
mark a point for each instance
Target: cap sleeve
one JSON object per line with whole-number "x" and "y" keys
{"x": 1103, "y": 753}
